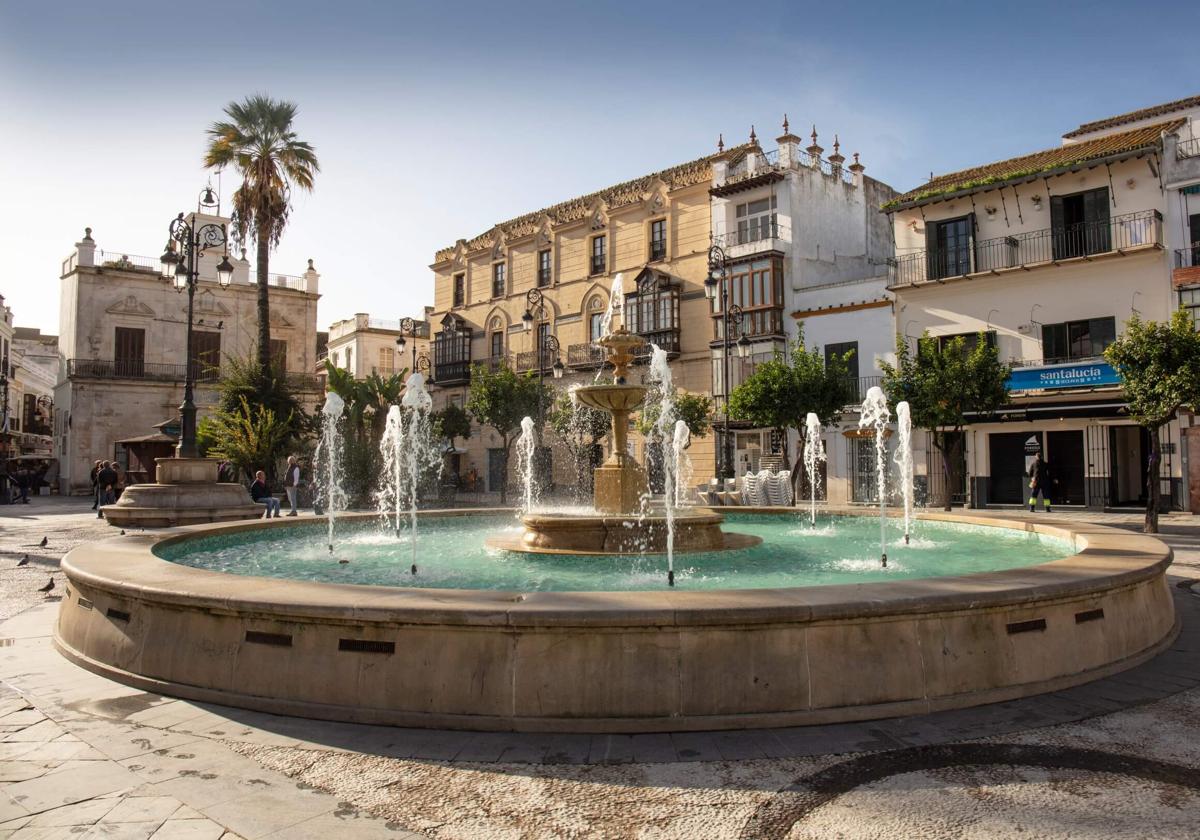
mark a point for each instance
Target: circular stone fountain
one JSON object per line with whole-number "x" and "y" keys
{"x": 621, "y": 523}
{"x": 604, "y": 660}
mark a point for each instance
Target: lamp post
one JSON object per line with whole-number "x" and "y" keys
{"x": 545, "y": 344}
{"x": 182, "y": 269}
{"x": 408, "y": 327}
{"x": 717, "y": 283}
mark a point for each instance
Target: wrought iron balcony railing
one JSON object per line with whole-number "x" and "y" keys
{"x": 760, "y": 231}
{"x": 1022, "y": 250}
{"x": 1188, "y": 257}
{"x": 1187, "y": 148}
{"x": 447, "y": 373}
{"x": 137, "y": 369}
{"x": 857, "y": 387}
{"x": 585, "y": 356}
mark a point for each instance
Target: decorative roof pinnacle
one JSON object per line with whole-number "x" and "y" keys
{"x": 785, "y": 123}
{"x": 753, "y": 136}
{"x": 837, "y": 158}
{"x": 720, "y": 142}
{"x": 856, "y": 166}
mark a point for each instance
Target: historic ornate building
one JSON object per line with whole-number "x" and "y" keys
{"x": 122, "y": 347}
{"x": 653, "y": 230}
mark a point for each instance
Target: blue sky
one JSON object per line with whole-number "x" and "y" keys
{"x": 436, "y": 120}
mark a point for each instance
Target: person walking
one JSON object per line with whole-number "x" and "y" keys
{"x": 1039, "y": 483}
{"x": 107, "y": 479}
{"x": 95, "y": 474}
{"x": 23, "y": 485}
{"x": 291, "y": 483}
{"x": 261, "y": 494}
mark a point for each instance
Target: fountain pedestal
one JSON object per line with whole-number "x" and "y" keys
{"x": 185, "y": 492}
{"x": 623, "y": 522}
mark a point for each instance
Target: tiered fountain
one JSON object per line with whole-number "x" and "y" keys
{"x": 623, "y": 522}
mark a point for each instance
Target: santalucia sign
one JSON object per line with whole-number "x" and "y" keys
{"x": 1087, "y": 375}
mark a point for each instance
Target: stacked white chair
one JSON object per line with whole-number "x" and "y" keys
{"x": 779, "y": 488}
{"x": 750, "y": 489}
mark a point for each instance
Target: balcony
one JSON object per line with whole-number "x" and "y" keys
{"x": 1050, "y": 246}
{"x": 668, "y": 340}
{"x": 761, "y": 237}
{"x": 585, "y": 356}
{"x": 527, "y": 361}
{"x": 1187, "y": 149}
{"x": 137, "y": 369}
{"x": 452, "y": 372}
{"x": 857, "y": 387}
{"x": 1186, "y": 268}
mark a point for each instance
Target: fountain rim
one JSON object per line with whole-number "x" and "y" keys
{"x": 128, "y": 566}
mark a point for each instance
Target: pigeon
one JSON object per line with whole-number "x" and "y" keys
{"x": 122, "y": 532}
{"x": 343, "y": 562}
{"x": 44, "y": 541}
{"x": 24, "y": 561}
{"x": 49, "y": 585}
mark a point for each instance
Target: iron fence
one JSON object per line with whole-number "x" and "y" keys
{"x": 1188, "y": 257}
{"x": 585, "y": 355}
{"x": 137, "y": 369}
{"x": 1187, "y": 148}
{"x": 1048, "y": 245}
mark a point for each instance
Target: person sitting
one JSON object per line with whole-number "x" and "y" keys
{"x": 262, "y": 495}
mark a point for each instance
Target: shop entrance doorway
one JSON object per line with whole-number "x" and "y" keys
{"x": 1130, "y": 450}
{"x": 1010, "y": 454}
{"x": 1065, "y": 456}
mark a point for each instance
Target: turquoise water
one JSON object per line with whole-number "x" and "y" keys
{"x": 452, "y": 555}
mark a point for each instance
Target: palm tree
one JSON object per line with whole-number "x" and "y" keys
{"x": 258, "y": 141}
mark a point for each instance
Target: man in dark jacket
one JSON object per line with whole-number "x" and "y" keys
{"x": 107, "y": 481}
{"x": 261, "y": 494}
{"x": 95, "y": 473}
{"x": 1039, "y": 483}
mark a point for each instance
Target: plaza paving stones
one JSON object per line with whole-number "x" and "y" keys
{"x": 84, "y": 757}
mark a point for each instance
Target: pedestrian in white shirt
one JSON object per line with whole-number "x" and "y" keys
{"x": 291, "y": 483}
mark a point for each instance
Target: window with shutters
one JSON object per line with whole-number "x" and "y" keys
{"x": 599, "y": 261}
{"x": 840, "y": 349}
{"x": 1080, "y": 223}
{"x": 499, "y": 279}
{"x": 970, "y": 340}
{"x": 658, "y": 239}
{"x": 129, "y": 355}
{"x": 279, "y": 355}
{"x": 206, "y": 354}
{"x": 460, "y": 289}
{"x": 387, "y": 361}
{"x": 1083, "y": 339}
{"x": 950, "y": 246}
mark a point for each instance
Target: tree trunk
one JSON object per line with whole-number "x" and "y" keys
{"x": 264, "y": 304}
{"x": 504, "y": 483}
{"x": 1152, "y": 482}
{"x": 939, "y": 443}
{"x": 797, "y": 484}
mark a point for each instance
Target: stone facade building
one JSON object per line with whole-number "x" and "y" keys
{"x": 29, "y": 364}
{"x": 654, "y": 231}
{"x": 122, "y": 345}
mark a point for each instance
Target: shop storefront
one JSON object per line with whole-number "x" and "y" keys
{"x": 1075, "y": 416}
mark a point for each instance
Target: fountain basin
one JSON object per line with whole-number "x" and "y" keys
{"x": 552, "y": 533}
{"x": 611, "y": 398}
{"x": 614, "y": 661}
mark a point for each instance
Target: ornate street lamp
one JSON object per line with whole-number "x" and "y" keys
{"x": 408, "y": 327}
{"x": 546, "y": 344}
{"x": 181, "y": 266}
{"x": 716, "y": 287}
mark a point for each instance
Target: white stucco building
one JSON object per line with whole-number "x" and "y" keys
{"x": 1048, "y": 254}
{"x": 805, "y": 244}
{"x": 366, "y": 345}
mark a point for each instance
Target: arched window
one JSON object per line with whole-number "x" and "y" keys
{"x": 595, "y": 310}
